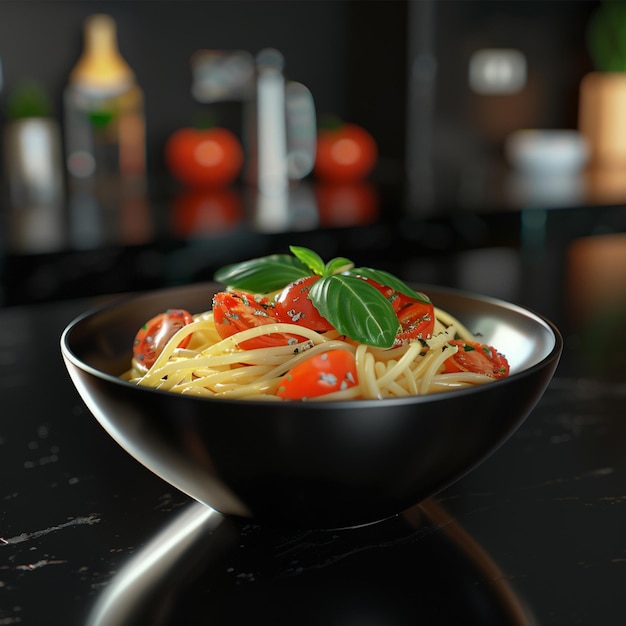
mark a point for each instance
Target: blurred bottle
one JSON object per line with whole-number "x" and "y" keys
{"x": 104, "y": 121}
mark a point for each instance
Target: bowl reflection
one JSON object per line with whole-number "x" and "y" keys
{"x": 421, "y": 566}
{"x": 309, "y": 465}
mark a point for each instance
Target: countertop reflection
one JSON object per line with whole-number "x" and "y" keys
{"x": 185, "y": 235}
{"x": 418, "y": 566}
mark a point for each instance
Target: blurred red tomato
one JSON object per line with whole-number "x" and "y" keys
{"x": 211, "y": 157}
{"x": 346, "y": 204}
{"x": 346, "y": 152}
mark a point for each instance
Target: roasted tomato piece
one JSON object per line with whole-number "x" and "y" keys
{"x": 294, "y": 306}
{"x": 479, "y": 358}
{"x": 320, "y": 374}
{"x": 236, "y": 311}
{"x": 397, "y": 299}
{"x": 416, "y": 318}
{"x": 153, "y": 336}
{"x": 417, "y": 321}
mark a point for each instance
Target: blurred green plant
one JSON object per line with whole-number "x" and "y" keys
{"x": 28, "y": 99}
{"x": 606, "y": 36}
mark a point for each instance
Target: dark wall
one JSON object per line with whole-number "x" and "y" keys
{"x": 550, "y": 34}
{"x": 352, "y": 54}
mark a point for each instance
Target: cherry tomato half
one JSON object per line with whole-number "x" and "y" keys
{"x": 236, "y": 311}
{"x": 324, "y": 373}
{"x": 479, "y": 358}
{"x": 153, "y": 336}
{"x": 345, "y": 153}
{"x": 294, "y": 306}
{"x": 211, "y": 157}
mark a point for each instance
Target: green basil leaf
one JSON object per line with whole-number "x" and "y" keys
{"x": 388, "y": 280}
{"x": 356, "y": 309}
{"x": 309, "y": 258}
{"x": 263, "y": 274}
{"x": 337, "y": 265}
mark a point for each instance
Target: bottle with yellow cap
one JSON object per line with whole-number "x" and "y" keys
{"x": 104, "y": 117}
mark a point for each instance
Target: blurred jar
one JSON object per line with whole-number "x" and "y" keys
{"x": 601, "y": 120}
{"x": 33, "y": 163}
{"x": 104, "y": 117}
{"x": 32, "y": 149}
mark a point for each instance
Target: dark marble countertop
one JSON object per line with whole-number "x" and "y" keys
{"x": 534, "y": 535}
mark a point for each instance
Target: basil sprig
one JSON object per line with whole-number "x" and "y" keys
{"x": 262, "y": 275}
{"x": 353, "y": 306}
{"x": 355, "y": 309}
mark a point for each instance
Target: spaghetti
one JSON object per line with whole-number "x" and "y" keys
{"x": 209, "y": 365}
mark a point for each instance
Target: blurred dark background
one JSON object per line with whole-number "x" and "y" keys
{"x": 353, "y": 55}
{"x": 396, "y": 67}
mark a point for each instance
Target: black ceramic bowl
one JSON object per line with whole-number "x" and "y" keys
{"x": 317, "y": 464}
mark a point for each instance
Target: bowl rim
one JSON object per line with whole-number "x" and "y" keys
{"x": 554, "y": 353}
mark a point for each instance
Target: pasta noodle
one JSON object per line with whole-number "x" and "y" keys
{"x": 215, "y": 367}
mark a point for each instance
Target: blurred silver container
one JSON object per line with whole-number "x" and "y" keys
{"x": 34, "y": 162}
